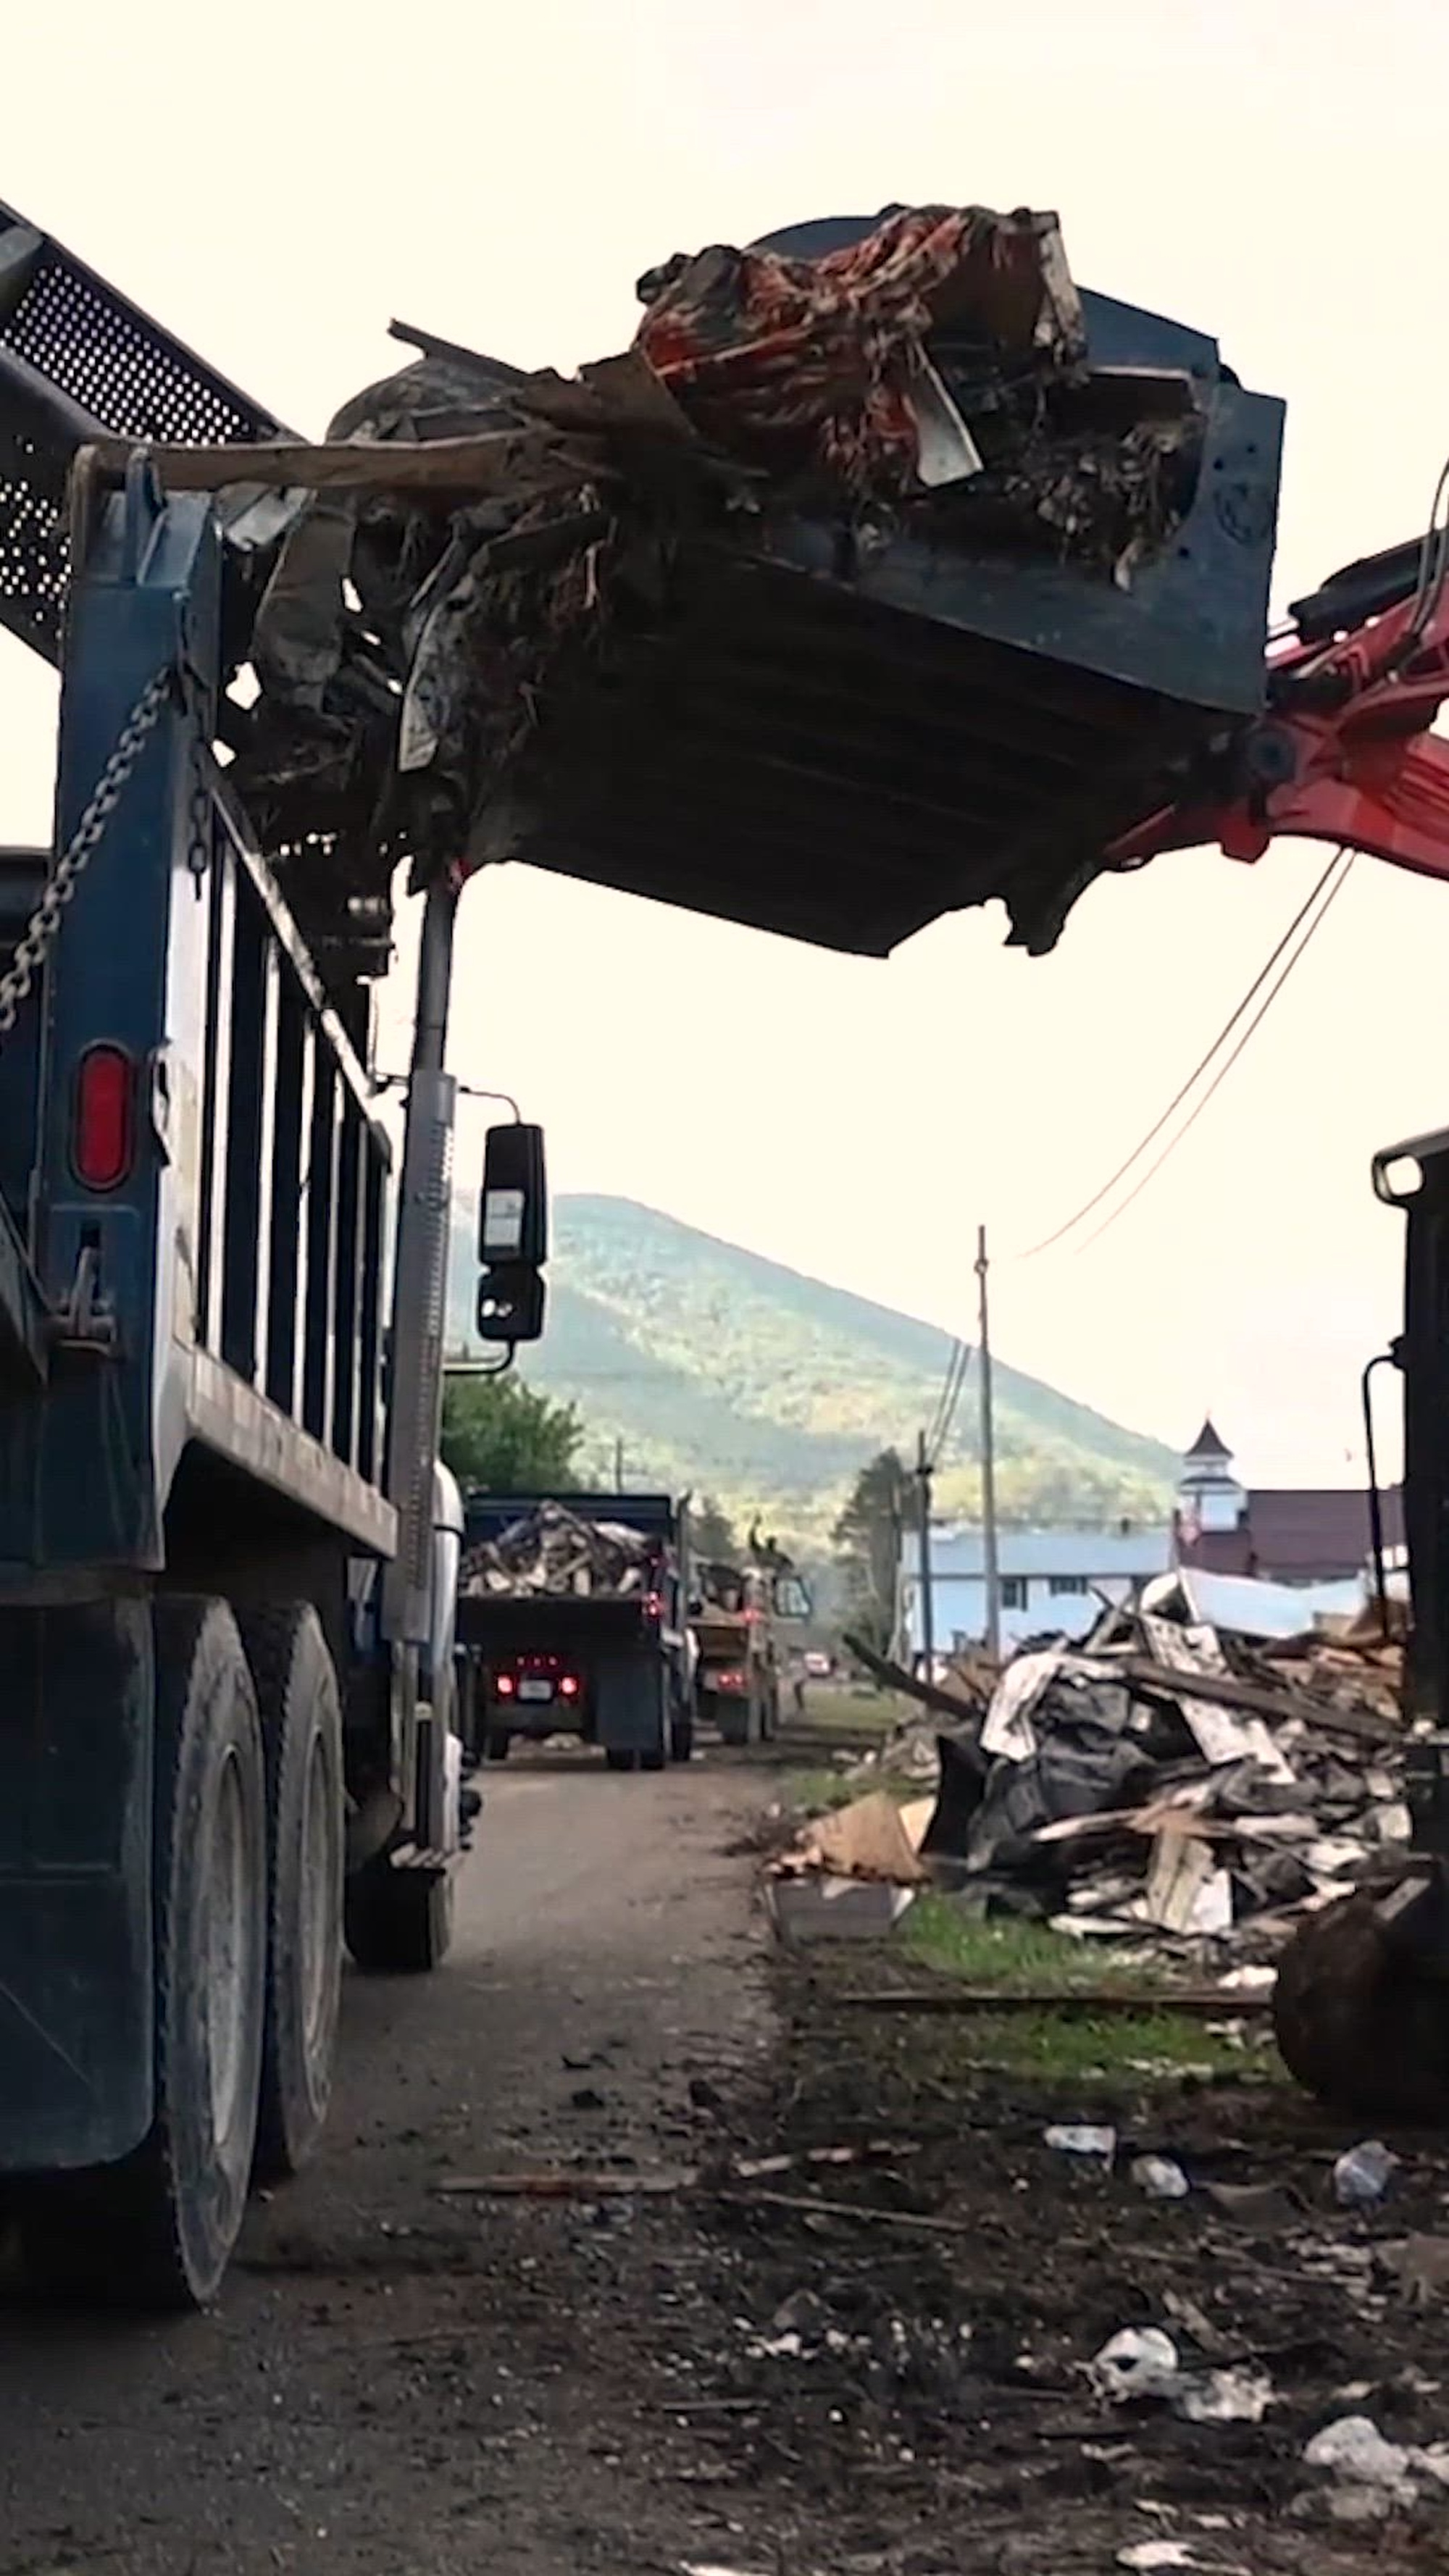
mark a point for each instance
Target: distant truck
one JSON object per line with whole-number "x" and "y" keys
{"x": 735, "y": 1612}
{"x": 571, "y": 1622}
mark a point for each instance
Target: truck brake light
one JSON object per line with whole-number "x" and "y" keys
{"x": 503, "y": 1685}
{"x": 569, "y": 1686}
{"x": 103, "y": 1144}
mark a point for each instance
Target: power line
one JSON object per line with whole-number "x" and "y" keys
{"x": 1199, "y": 1069}
{"x": 944, "y": 1400}
{"x": 948, "y": 1415}
{"x": 1225, "y": 1068}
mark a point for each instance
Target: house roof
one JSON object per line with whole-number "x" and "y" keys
{"x": 959, "y": 1555}
{"x": 1209, "y": 1442}
{"x": 1303, "y": 1532}
{"x": 1299, "y": 1533}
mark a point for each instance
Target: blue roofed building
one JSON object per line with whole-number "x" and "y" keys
{"x": 1052, "y": 1581}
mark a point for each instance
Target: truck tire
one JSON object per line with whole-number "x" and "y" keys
{"x": 155, "y": 2230}
{"x": 618, "y": 1761}
{"x": 681, "y": 1737}
{"x": 398, "y": 1922}
{"x": 496, "y": 1745}
{"x": 301, "y": 1719}
{"x": 652, "y": 1760}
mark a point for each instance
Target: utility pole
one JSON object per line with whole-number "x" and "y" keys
{"x": 618, "y": 1466}
{"x": 988, "y": 1457}
{"x": 923, "y": 1528}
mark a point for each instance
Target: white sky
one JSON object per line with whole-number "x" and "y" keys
{"x": 277, "y": 188}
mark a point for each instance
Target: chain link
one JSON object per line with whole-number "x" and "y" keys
{"x": 38, "y": 937}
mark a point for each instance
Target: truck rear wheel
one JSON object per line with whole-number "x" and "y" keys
{"x": 301, "y": 1720}
{"x": 681, "y": 1737}
{"x": 399, "y": 1922}
{"x": 496, "y": 1744}
{"x": 156, "y": 2230}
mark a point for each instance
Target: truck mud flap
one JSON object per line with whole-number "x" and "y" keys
{"x": 629, "y": 1703}
{"x": 76, "y": 1730}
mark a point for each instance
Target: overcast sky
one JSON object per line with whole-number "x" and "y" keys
{"x": 1269, "y": 170}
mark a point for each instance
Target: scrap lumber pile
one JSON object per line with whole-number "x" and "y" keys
{"x": 1171, "y": 1782}
{"x": 552, "y": 1552}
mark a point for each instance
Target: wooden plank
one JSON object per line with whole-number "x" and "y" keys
{"x": 1226, "y": 1690}
{"x": 506, "y": 460}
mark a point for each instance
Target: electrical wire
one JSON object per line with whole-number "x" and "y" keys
{"x": 1048, "y": 1241}
{"x": 931, "y": 1437}
{"x": 943, "y": 1434}
{"x": 1433, "y": 561}
{"x": 1347, "y": 858}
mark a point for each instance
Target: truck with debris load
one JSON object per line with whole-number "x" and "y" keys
{"x": 887, "y": 573}
{"x": 736, "y": 1616}
{"x": 571, "y": 1620}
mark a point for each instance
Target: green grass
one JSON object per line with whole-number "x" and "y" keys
{"x": 1027, "y": 1957}
{"x": 838, "y": 1713}
{"x": 818, "y": 1793}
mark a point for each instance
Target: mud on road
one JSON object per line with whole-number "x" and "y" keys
{"x": 400, "y": 2381}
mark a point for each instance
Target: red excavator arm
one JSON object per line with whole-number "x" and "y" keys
{"x": 1344, "y": 752}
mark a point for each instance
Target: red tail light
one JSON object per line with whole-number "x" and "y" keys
{"x": 104, "y": 1143}
{"x": 569, "y": 1687}
{"x": 503, "y": 1685}
{"x": 653, "y": 1606}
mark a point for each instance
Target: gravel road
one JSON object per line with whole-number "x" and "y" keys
{"x": 398, "y": 2382}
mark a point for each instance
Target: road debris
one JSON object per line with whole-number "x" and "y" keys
{"x": 1144, "y": 2364}
{"x": 1161, "y": 2177}
{"x": 1420, "y": 2265}
{"x": 1363, "y": 2174}
{"x": 1355, "y": 2450}
{"x": 1099, "y": 2143}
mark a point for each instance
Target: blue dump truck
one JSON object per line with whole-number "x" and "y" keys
{"x": 571, "y": 1620}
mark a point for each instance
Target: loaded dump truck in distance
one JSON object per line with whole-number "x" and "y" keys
{"x": 735, "y": 1612}
{"x": 571, "y": 1621}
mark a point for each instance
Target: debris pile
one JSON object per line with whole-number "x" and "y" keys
{"x": 553, "y": 1552}
{"x": 478, "y": 564}
{"x": 1172, "y": 1781}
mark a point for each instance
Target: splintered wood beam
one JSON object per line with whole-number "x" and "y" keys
{"x": 509, "y": 460}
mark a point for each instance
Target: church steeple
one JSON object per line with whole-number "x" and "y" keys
{"x": 1209, "y": 1495}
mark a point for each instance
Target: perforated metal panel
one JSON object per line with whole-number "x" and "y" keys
{"x": 76, "y": 355}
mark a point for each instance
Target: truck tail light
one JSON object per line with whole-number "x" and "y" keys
{"x": 569, "y": 1686}
{"x": 104, "y": 1142}
{"x": 503, "y": 1685}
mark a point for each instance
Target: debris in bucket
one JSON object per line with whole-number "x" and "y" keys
{"x": 490, "y": 602}
{"x": 555, "y": 1552}
{"x": 1198, "y": 1791}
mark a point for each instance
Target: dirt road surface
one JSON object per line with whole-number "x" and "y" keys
{"x": 869, "y": 2357}
{"x": 395, "y": 2382}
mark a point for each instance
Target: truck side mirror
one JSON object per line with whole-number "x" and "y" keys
{"x": 511, "y": 1301}
{"x": 512, "y": 1235}
{"x": 513, "y": 1209}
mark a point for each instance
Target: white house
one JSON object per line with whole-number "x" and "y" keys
{"x": 1051, "y": 1580}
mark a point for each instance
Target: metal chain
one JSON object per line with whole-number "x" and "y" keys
{"x": 38, "y": 937}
